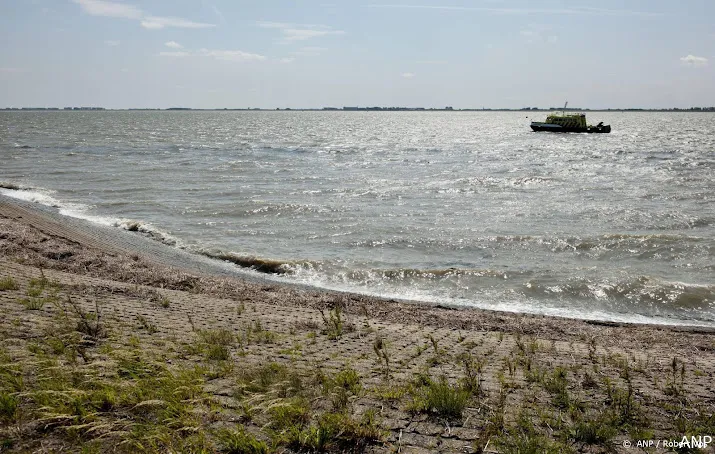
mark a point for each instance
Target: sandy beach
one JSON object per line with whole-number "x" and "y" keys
{"x": 95, "y": 322}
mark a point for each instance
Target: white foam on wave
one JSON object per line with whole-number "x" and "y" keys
{"x": 81, "y": 211}
{"x": 313, "y": 277}
{"x": 45, "y": 197}
{"x": 149, "y": 230}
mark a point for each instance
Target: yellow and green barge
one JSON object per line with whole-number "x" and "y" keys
{"x": 568, "y": 123}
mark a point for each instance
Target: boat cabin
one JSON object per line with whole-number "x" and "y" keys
{"x": 568, "y": 121}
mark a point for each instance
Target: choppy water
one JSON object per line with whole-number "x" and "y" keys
{"x": 467, "y": 208}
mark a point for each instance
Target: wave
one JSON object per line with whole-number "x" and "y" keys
{"x": 262, "y": 265}
{"x": 10, "y": 186}
{"x": 81, "y": 211}
{"x": 640, "y": 290}
{"x": 149, "y": 231}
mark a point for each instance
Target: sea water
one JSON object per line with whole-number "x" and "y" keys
{"x": 458, "y": 208}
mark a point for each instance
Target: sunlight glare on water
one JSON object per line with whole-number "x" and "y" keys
{"x": 464, "y": 208}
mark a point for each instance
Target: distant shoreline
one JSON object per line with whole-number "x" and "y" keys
{"x": 349, "y": 109}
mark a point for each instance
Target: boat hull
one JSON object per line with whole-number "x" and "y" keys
{"x": 549, "y": 127}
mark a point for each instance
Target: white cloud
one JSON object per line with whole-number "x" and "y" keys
{"x": 300, "y": 32}
{"x": 173, "y": 45}
{"x": 274, "y": 25}
{"x": 157, "y": 23}
{"x": 108, "y": 8}
{"x": 408, "y": 75}
{"x": 227, "y": 55}
{"x": 281, "y": 25}
{"x": 112, "y": 42}
{"x": 527, "y": 11}
{"x": 287, "y": 60}
{"x": 692, "y": 60}
{"x": 231, "y": 55}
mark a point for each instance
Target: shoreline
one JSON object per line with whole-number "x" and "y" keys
{"x": 535, "y": 379}
{"x": 153, "y": 246}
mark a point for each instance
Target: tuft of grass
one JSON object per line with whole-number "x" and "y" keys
{"x": 39, "y": 292}
{"x": 146, "y": 324}
{"x": 8, "y": 407}
{"x": 8, "y": 283}
{"x": 256, "y": 333}
{"x": 379, "y": 346}
{"x": 526, "y": 439}
{"x": 217, "y": 337}
{"x": 335, "y": 432}
{"x": 594, "y": 430}
{"x": 342, "y": 387}
{"x": 284, "y": 382}
{"x": 557, "y": 386}
{"x": 218, "y": 353}
{"x": 215, "y": 344}
{"x": 439, "y": 398}
{"x": 238, "y": 441}
{"x": 164, "y": 302}
{"x": 334, "y": 324}
{"x": 286, "y": 414}
{"x": 473, "y": 373}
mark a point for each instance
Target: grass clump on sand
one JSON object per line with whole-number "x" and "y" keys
{"x": 238, "y": 441}
{"x": 8, "y": 283}
{"x": 439, "y": 398}
{"x": 136, "y": 405}
{"x": 8, "y": 406}
{"x": 334, "y": 432}
{"x": 40, "y": 291}
{"x": 292, "y": 407}
{"x": 216, "y": 343}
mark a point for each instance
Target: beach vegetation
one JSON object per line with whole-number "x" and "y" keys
{"x": 379, "y": 346}
{"x": 343, "y": 387}
{"x": 391, "y": 392}
{"x": 593, "y": 429}
{"x": 334, "y": 432}
{"x": 146, "y": 324}
{"x": 219, "y": 336}
{"x": 68, "y": 381}
{"x": 285, "y": 382}
{"x": 215, "y": 344}
{"x": 164, "y": 302}
{"x": 473, "y": 368}
{"x": 8, "y": 283}
{"x": 8, "y": 406}
{"x": 557, "y": 386}
{"x": 40, "y": 291}
{"x": 525, "y": 438}
{"x": 238, "y": 441}
{"x": 89, "y": 324}
{"x": 333, "y": 322}
{"x": 439, "y": 398}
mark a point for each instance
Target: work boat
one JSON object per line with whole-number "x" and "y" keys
{"x": 568, "y": 123}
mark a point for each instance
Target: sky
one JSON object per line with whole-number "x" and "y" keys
{"x": 312, "y": 54}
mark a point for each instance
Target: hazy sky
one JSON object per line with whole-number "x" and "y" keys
{"x": 431, "y": 53}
